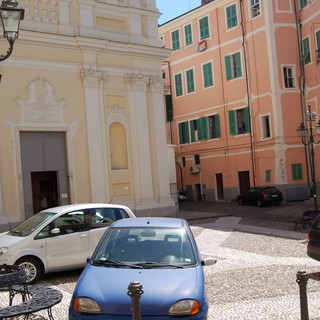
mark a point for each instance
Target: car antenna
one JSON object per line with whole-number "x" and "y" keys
{"x": 112, "y": 196}
{"x": 148, "y": 222}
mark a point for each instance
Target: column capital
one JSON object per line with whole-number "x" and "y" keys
{"x": 92, "y": 77}
{"x": 144, "y": 82}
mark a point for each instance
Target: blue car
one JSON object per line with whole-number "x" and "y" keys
{"x": 161, "y": 255}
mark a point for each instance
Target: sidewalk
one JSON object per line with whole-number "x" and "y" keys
{"x": 270, "y": 216}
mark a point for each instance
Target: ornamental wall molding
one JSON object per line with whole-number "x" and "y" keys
{"x": 116, "y": 115}
{"x": 92, "y": 78}
{"x": 146, "y": 83}
{"x": 41, "y": 105}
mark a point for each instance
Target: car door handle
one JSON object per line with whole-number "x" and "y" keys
{"x": 83, "y": 235}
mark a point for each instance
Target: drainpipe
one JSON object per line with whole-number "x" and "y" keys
{"x": 248, "y": 92}
{"x": 302, "y": 82}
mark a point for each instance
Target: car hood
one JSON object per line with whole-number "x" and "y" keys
{"x": 7, "y": 240}
{"x": 161, "y": 288}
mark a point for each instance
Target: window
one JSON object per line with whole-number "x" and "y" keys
{"x": 306, "y": 57}
{"x": 265, "y": 125}
{"x": 178, "y": 84}
{"x": 175, "y": 40}
{"x": 296, "y": 171}
{"x": 239, "y": 121}
{"x": 184, "y": 132}
{"x": 233, "y": 66}
{"x": 318, "y": 45}
{"x": 288, "y": 77}
{"x": 190, "y": 81}
{"x": 70, "y": 222}
{"x": 188, "y": 34}
{"x": 194, "y": 130}
{"x": 183, "y": 160}
{"x": 204, "y": 28}
{"x": 199, "y": 129}
{"x": 196, "y": 159}
{"x": 231, "y": 13}
{"x": 303, "y": 3}
{"x": 255, "y": 8}
{"x": 207, "y": 75}
{"x": 268, "y": 175}
{"x": 214, "y": 126}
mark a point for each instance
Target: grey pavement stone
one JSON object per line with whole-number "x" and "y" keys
{"x": 254, "y": 278}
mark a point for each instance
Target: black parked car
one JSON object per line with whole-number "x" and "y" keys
{"x": 260, "y": 196}
{"x": 313, "y": 249}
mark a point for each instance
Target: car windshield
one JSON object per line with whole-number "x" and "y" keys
{"x": 145, "y": 248}
{"x": 28, "y": 226}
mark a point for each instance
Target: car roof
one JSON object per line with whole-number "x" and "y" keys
{"x": 151, "y": 222}
{"x": 81, "y": 206}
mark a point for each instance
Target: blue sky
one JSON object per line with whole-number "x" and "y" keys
{"x": 172, "y": 8}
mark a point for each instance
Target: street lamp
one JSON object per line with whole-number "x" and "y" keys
{"x": 308, "y": 139}
{"x": 10, "y": 15}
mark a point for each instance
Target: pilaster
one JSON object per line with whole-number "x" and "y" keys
{"x": 93, "y": 86}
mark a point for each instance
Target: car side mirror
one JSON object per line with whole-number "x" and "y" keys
{"x": 208, "y": 262}
{"x": 55, "y": 231}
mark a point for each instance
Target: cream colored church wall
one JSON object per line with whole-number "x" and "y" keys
{"x": 65, "y": 84}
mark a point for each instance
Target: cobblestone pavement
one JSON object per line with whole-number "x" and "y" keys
{"x": 254, "y": 278}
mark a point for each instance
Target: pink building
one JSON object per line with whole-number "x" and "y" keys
{"x": 241, "y": 76}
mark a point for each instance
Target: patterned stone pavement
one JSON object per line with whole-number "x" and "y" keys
{"x": 254, "y": 278}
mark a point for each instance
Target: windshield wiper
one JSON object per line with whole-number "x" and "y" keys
{"x": 110, "y": 262}
{"x": 16, "y": 233}
{"x": 159, "y": 265}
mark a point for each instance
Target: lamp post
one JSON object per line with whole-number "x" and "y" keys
{"x": 308, "y": 139}
{"x": 10, "y": 15}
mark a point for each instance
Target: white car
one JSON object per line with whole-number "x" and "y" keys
{"x": 58, "y": 238}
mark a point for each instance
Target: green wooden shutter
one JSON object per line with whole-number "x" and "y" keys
{"x": 246, "y": 112}
{"x": 217, "y": 125}
{"x": 296, "y": 171}
{"x": 228, "y": 67}
{"x": 180, "y": 133}
{"x": 203, "y": 128}
{"x": 175, "y": 40}
{"x": 231, "y": 16}
{"x": 169, "y": 107}
{"x": 190, "y": 81}
{"x": 232, "y": 122}
{"x": 207, "y": 75}
{"x": 187, "y": 138}
{"x": 318, "y": 44}
{"x": 188, "y": 34}
{"x": 237, "y": 61}
{"x": 268, "y": 175}
{"x": 193, "y": 136}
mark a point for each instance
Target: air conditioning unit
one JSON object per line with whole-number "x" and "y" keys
{"x": 194, "y": 169}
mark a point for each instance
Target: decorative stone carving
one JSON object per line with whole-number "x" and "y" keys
{"x": 140, "y": 82}
{"x": 41, "y": 105}
{"x": 116, "y": 115}
{"x": 92, "y": 77}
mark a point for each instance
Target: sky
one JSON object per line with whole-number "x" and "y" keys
{"x": 172, "y": 8}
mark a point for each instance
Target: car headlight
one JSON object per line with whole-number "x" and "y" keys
{"x": 3, "y": 250}
{"x": 184, "y": 307}
{"x": 86, "y": 305}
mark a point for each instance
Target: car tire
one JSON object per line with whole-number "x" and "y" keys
{"x": 259, "y": 203}
{"x": 32, "y": 268}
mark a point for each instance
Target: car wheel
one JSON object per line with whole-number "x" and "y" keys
{"x": 278, "y": 203}
{"x": 32, "y": 268}
{"x": 259, "y": 203}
